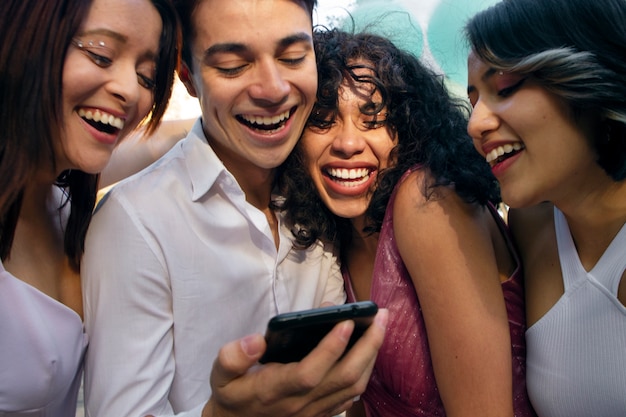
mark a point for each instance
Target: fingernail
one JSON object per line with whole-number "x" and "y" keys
{"x": 251, "y": 345}
{"x": 382, "y": 318}
{"x": 346, "y": 330}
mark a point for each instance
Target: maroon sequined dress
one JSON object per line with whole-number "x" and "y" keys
{"x": 403, "y": 382}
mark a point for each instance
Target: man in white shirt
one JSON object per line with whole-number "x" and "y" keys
{"x": 185, "y": 262}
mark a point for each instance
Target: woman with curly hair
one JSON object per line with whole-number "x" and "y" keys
{"x": 386, "y": 171}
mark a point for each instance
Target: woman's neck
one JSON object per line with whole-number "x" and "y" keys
{"x": 595, "y": 219}
{"x": 359, "y": 259}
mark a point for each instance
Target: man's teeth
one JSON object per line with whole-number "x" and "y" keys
{"x": 100, "y": 117}
{"x": 501, "y": 150}
{"x": 266, "y": 120}
{"x": 349, "y": 177}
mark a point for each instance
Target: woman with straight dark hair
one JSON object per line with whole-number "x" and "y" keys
{"x": 547, "y": 82}
{"x": 76, "y": 76}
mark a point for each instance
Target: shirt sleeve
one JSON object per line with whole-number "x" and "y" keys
{"x": 127, "y": 298}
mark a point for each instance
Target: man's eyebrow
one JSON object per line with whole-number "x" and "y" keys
{"x": 484, "y": 77}
{"x": 295, "y": 38}
{"x": 235, "y": 48}
{"x": 239, "y": 48}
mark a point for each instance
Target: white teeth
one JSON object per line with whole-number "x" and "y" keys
{"x": 348, "y": 174}
{"x": 105, "y": 118}
{"x": 501, "y": 150}
{"x": 349, "y": 177}
{"x": 266, "y": 120}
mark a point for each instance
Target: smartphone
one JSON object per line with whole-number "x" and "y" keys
{"x": 292, "y": 336}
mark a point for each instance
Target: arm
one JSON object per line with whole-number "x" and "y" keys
{"x": 129, "y": 365}
{"x": 447, "y": 247}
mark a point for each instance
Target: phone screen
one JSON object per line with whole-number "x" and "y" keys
{"x": 292, "y": 336}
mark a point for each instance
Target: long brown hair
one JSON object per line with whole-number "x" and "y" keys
{"x": 35, "y": 38}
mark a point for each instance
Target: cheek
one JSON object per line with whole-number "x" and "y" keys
{"x": 77, "y": 79}
{"x": 217, "y": 96}
{"x": 307, "y": 82}
{"x": 383, "y": 151}
{"x": 146, "y": 102}
{"x": 311, "y": 146}
{"x": 311, "y": 163}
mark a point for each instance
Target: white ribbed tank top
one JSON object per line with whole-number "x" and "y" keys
{"x": 576, "y": 363}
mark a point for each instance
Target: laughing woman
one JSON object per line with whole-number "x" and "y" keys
{"x": 385, "y": 169}
{"x": 547, "y": 80}
{"x": 76, "y": 77}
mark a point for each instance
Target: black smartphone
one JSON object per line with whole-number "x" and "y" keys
{"x": 292, "y": 336}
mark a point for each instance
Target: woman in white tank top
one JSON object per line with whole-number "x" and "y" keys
{"x": 547, "y": 82}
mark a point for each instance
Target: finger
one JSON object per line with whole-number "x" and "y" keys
{"x": 331, "y": 347}
{"x": 307, "y": 374}
{"x": 352, "y": 373}
{"x": 362, "y": 356}
{"x": 366, "y": 348}
{"x": 235, "y": 358}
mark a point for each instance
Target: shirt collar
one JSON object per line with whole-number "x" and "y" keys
{"x": 203, "y": 165}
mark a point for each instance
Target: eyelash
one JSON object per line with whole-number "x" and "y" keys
{"x": 375, "y": 124}
{"x": 327, "y": 124}
{"x": 232, "y": 72}
{"x": 105, "y": 62}
{"x": 99, "y": 60}
{"x": 506, "y": 92}
{"x": 146, "y": 82}
{"x": 294, "y": 61}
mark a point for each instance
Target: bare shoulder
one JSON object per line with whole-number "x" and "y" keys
{"x": 415, "y": 193}
{"x": 434, "y": 218}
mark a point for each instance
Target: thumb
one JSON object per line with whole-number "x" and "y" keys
{"x": 235, "y": 358}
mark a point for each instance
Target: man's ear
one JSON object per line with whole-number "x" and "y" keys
{"x": 185, "y": 76}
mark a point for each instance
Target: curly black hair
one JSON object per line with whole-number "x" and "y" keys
{"x": 429, "y": 123}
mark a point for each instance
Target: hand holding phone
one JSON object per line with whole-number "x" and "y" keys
{"x": 292, "y": 336}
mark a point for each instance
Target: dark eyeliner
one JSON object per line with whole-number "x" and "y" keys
{"x": 505, "y": 92}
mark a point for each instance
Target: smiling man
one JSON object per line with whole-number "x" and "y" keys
{"x": 187, "y": 261}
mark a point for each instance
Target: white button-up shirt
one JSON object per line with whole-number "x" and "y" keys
{"x": 177, "y": 264}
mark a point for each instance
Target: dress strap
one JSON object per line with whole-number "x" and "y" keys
{"x": 611, "y": 266}
{"x": 607, "y": 271}
{"x": 571, "y": 267}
